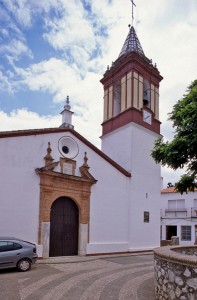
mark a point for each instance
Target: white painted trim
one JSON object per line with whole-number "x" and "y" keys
{"x": 107, "y": 247}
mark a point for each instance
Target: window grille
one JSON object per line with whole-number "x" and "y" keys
{"x": 186, "y": 233}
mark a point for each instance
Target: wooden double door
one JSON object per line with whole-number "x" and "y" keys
{"x": 64, "y": 227}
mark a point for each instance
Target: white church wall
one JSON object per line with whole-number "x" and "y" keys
{"x": 109, "y": 217}
{"x": 19, "y": 187}
{"x": 109, "y": 220}
{"x": 20, "y": 192}
{"x": 131, "y": 146}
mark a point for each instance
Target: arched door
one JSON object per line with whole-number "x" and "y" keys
{"x": 64, "y": 228}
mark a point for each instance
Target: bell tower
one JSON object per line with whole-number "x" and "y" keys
{"x": 130, "y": 127}
{"x": 131, "y": 95}
{"x": 131, "y": 89}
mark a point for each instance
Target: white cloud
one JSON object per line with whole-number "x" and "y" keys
{"x": 6, "y": 83}
{"x": 15, "y": 49}
{"x": 20, "y": 10}
{"x": 25, "y": 119}
{"x": 57, "y": 78}
{"x": 70, "y": 29}
{"x": 4, "y": 32}
{"x": 170, "y": 175}
{"x": 167, "y": 36}
{"x": 24, "y": 11}
{"x": 53, "y": 76}
{"x": 76, "y": 33}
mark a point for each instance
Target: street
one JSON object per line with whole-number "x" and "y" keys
{"x": 123, "y": 277}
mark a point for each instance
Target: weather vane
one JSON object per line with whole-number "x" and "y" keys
{"x": 133, "y": 4}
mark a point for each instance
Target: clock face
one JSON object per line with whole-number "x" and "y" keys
{"x": 147, "y": 117}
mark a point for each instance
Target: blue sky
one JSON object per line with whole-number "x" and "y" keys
{"x": 53, "y": 48}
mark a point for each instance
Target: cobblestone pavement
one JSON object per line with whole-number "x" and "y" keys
{"x": 126, "y": 277}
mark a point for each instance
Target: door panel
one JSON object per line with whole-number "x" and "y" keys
{"x": 171, "y": 230}
{"x": 64, "y": 228}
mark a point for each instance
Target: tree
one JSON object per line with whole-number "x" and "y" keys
{"x": 182, "y": 150}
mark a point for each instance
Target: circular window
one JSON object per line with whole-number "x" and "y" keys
{"x": 68, "y": 147}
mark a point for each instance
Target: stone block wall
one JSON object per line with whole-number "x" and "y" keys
{"x": 165, "y": 243}
{"x": 176, "y": 273}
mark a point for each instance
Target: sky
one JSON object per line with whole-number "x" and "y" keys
{"x": 53, "y": 48}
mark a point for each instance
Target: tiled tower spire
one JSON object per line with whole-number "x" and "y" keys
{"x": 131, "y": 44}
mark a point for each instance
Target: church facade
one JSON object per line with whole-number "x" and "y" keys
{"x": 71, "y": 198}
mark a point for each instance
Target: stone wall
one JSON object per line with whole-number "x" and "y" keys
{"x": 165, "y": 243}
{"x": 176, "y": 273}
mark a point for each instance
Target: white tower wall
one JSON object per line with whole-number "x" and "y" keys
{"x": 131, "y": 146}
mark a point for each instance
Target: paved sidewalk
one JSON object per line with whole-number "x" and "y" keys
{"x": 138, "y": 285}
{"x": 104, "y": 277}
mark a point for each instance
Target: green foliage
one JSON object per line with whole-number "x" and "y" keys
{"x": 182, "y": 150}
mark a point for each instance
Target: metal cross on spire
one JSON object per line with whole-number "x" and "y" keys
{"x": 133, "y": 4}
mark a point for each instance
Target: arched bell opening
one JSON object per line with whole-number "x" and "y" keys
{"x": 146, "y": 93}
{"x": 117, "y": 99}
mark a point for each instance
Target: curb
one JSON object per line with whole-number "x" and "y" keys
{"x": 79, "y": 259}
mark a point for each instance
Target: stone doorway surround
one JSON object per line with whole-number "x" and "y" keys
{"x": 56, "y": 184}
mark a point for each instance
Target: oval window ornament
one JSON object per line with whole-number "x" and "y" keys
{"x": 68, "y": 147}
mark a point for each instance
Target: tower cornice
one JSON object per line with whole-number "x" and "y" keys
{"x": 128, "y": 116}
{"x": 133, "y": 61}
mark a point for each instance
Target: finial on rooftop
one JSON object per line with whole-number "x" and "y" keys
{"x": 67, "y": 115}
{"x": 67, "y": 106}
{"x": 133, "y": 4}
